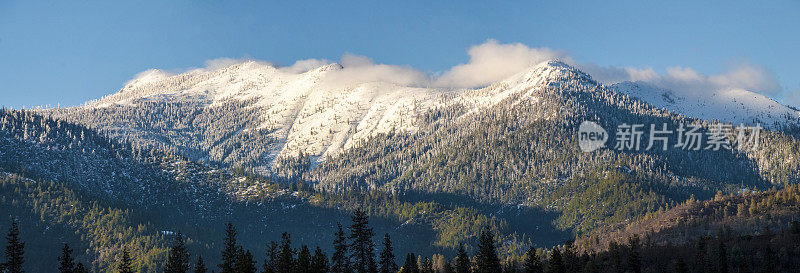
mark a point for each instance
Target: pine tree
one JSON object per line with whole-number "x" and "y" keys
{"x": 80, "y": 268}
{"x": 463, "y": 263}
{"x": 532, "y": 262}
{"x": 200, "y": 266}
{"x": 178, "y": 260}
{"x": 271, "y": 262}
{"x": 361, "y": 246}
{"x": 616, "y": 257}
{"x": 410, "y": 265}
{"x": 387, "y": 264}
{"x": 722, "y": 260}
{"x": 303, "y": 263}
{"x": 700, "y": 261}
{"x": 634, "y": 259}
{"x": 486, "y": 260}
{"x": 556, "y": 264}
{"x": 286, "y": 262}
{"x": 319, "y": 263}
{"x": 230, "y": 251}
{"x": 244, "y": 261}
{"x": 125, "y": 264}
{"x": 340, "y": 261}
{"x": 66, "y": 264}
{"x": 448, "y": 267}
{"x": 571, "y": 262}
{"x": 426, "y": 266}
{"x": 15, "y": 250}
{"x": 768, "y": 264}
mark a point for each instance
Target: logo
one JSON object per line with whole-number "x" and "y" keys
{"x": 591, "y": 136}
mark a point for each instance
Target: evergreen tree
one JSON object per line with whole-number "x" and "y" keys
{"x": 722, "y": 258}
{"x": 286, "y": 262}
{"x": 178, "y": 260}
{"x": 303, "y": 263}
{"x": 80, "y": 268}
{"x": 66, "y": 264}
{"x": 426, "y": 266}
{"x": 700, "y": 261}
{"x": 448, "y": 267}
{"x": 387, "y": 264}
{"x": 271, "y": 261}
{"x": 463, "y": 263}
{"x": 319, "y": 263}
{"x": 200, "y": 266}
{"x": 361, "y": 246}
{"x": 15, "y": 250}
{"x": 410, "y": 265}
{"x": 125, "y": 264}
{"x": 510, "y": 266}
{"x": 571, "y": 262}
{"x": 340, "y": 261}
{"x": 556, "y": 264}
{"x": 634, "y": 259}
{"x": 244, "y": 261}
{"x": 230, "y": 251}
{"x": 768, "y": 263}
{"x": 616, "y": 257}
{"x": 532, "y": 262}
{"x": 486, "y": 260}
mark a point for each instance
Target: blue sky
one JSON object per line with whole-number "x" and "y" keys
{"x": 71, "y": 51}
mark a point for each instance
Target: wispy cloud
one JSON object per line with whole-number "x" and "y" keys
{"x": 493, "y": 61}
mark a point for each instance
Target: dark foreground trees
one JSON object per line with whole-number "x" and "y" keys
{"x": 769, "y": 252}
{"x": 15, "y": 251}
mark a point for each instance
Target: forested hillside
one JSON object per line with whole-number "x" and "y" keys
{"x": 523, "y": 151}
{"x": 74, "y": 185}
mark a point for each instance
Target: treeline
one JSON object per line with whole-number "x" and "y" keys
{"x": 356, "y": 252}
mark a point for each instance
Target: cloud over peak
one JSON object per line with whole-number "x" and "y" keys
{"x": 493, "y": 61}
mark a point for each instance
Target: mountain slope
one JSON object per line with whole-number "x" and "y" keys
{"x": 251, "y": 113}
{"x": 68, "y": 183}
{"x": 734, "y": 106}
{"x": 521, "y": 150}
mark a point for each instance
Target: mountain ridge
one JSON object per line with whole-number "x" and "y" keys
{"x": 251, "y": 113}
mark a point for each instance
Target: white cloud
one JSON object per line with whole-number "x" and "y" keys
{"x": 492, "y": 61}
{"x": 743, "y": 76}
{"x": 224, "y": 62}
{"x": 359, "y": 69}
{"x": 305, "y": 65}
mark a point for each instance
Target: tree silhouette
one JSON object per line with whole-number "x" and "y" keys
{"x": 200, "y": 266}
{"x": 486, "y": 260}
{"x": 178, "y": 260}
{"x": 15, "y": 250}
{"x": 361, "y": 245}
{"x": 532, "y": 263}
{"x": 340, "y": 261}
{"x": 66, "y": 264}
{"x": 387, "y": 264}
{"x": 463, "y": 263}
{"x": 125, "y": 264}
{"x": 230, "y": 252}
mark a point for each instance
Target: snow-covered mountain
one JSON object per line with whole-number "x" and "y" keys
{"x": 731, "y": 105}
{"x": 251, "y": 113}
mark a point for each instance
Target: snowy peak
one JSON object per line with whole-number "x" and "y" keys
{"x": 731, "y": 105}
{"x": 252, "y": 113}
{"x": 528, "y": 83}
